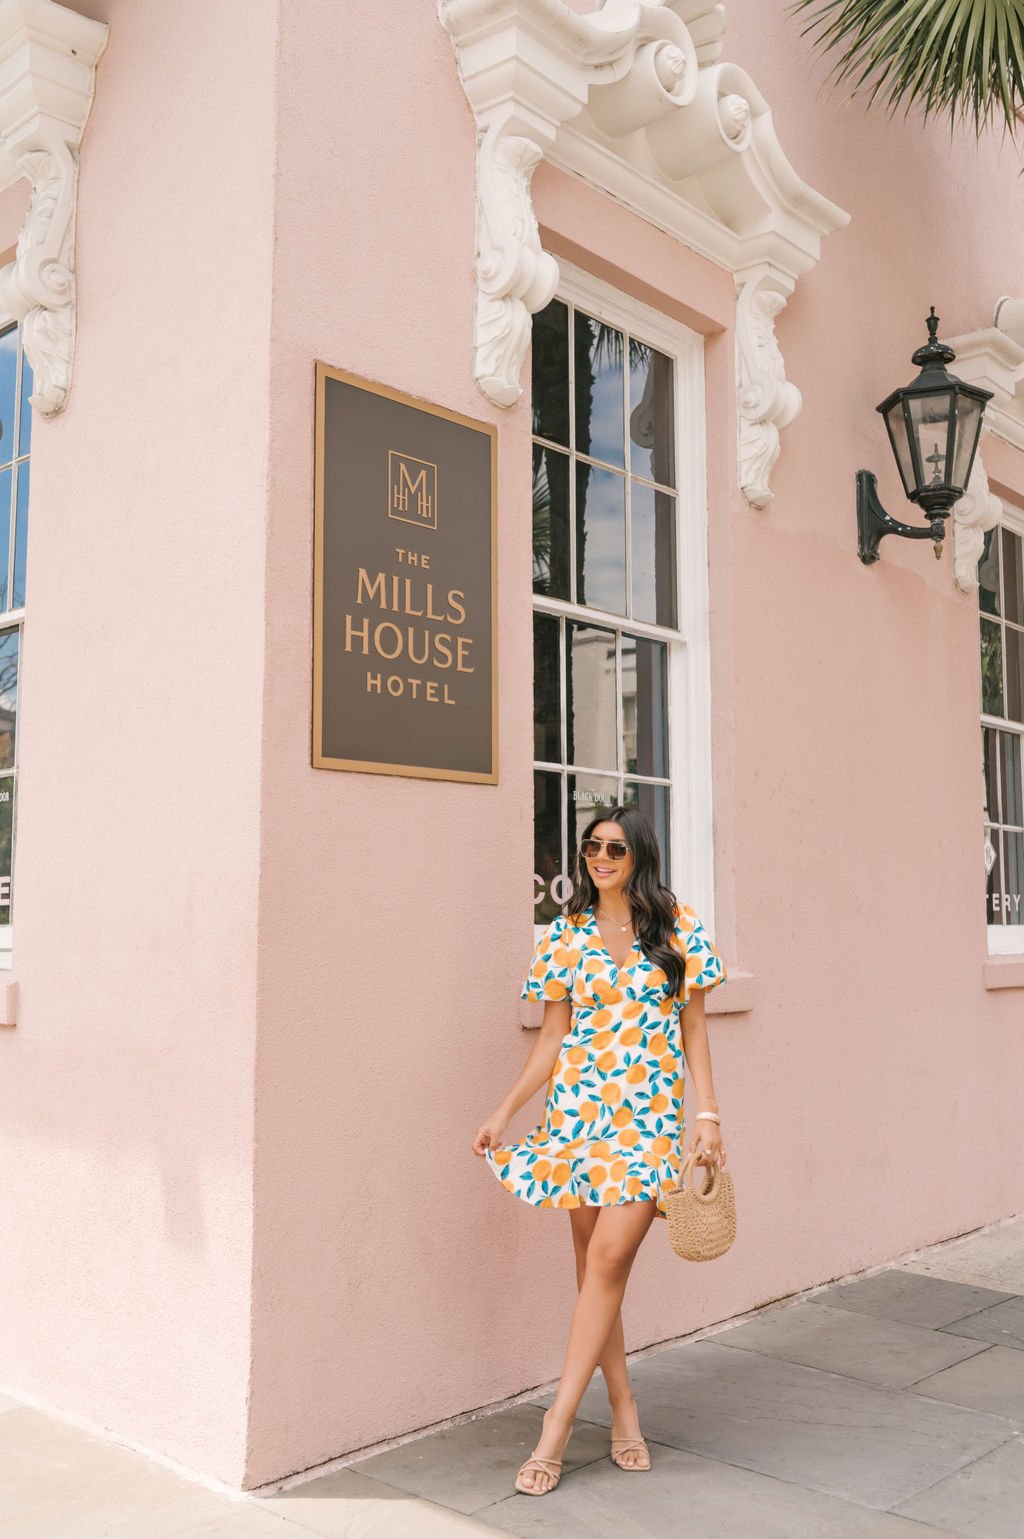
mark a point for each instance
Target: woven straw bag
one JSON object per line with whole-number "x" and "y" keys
{"x": 701, "y": 1225}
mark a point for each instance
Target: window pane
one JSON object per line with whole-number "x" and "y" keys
{"x": 1013, "y": 878}
{"x": 6, "y": 479}
{"x": 598, "y": 355}
{"x": 995, "y": 876}
{"x": 652, "y": 517}
{"x": 654, "y": 801}
{"x": 8, "y": 697}
{"x": 1012, "y": 809}
{"x": 25, "y": 410}
{"x": 550, "y": 522}
{"x": 590, "y": 696}
{"x": 589, "y": 797}
{"x": 547, "y": 845}
{"x": 600, "y": 539}
{"x": 988, "y": 573}
{"x": 550, "y": 372}
{"x": 21, "y": 535}
{"x": 993, "y": 805}
{"x": 651, "y": 414}
{"x": 1013, "y": 642}
{"x": 644, "y": 706}
{"x": 991, "y": 668}
{"x": 1013, "y": 576}
{"x": 8, "y": 386}
{"x": 547, "y": 726}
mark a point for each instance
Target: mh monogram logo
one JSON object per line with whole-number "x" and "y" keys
{"x": 412, "y": 490}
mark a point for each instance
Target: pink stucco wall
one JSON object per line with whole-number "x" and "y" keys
{"x": 126, "y": 1089}
{"x": 264, "y": 1007}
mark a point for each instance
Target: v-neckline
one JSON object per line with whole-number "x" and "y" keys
{"x": 633, "y": 950}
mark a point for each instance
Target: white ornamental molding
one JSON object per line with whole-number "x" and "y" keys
{"x": 634, "y": 99}
{"x": 978, "y": 510}
{"x": 48, "y": 58}
{"x": 992, "y": 357}
{"x": 766, "y": 400}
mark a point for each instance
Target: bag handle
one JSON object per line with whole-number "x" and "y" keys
{"x": 711, "y": 1180}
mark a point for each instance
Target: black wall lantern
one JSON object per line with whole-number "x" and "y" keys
{"x": 934, "y": 425}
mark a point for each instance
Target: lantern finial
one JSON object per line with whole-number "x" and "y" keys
{"x": 934, "y": 354}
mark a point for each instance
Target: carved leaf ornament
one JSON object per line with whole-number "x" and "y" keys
{"x": 46, "y": 90}
{"x": 634, "y": 98}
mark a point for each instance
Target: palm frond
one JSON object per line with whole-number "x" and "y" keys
{"x": 964, "y": 58}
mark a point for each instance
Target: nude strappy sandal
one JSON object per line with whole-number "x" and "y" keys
{"x": 533, "y": 1462}
{"x": 630, "y": 1442}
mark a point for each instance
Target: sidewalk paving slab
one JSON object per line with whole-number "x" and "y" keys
{"x": 984, "y": 1500}
{"x": 890, "y": 1406}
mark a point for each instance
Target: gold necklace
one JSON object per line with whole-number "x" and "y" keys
{"x": 622, "y": 927}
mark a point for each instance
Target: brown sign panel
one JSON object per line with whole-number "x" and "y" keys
{"x": 404, "y": 586}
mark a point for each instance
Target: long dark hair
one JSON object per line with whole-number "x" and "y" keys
{"x": 650, "y": 901}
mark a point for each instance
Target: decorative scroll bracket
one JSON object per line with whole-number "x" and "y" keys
{"x": 766, "y": 400}
{"x": 632, "y": 98}
{"x": 48, "y": 60}
{"x": 977, "y": 511}
{"x": 992, "y": 357}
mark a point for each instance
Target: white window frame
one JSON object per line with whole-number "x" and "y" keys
{"x": 1003, "y": 939}
{"x": 691, "y": 813}
{"x": 9, "y": 620}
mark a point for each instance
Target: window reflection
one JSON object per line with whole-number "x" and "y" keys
{"x": 590, "y": 696}
{"x": 600, "y": 538}
{"x": 600, "y": 402}
{"x": 652, "y": 522}
{"x": 651, "y": 414}
{"x": 547, "y": 704}
{"x": 1001, "y": 605}
{"x": 604, "y": 537}
{"x": 550, "y": 373}
{"x": 988, "y": 574}
{"x": 550, "y": 522}
{"x": 1013, "y": 579}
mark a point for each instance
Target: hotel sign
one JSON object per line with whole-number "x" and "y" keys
{"x": 404, "y": 587}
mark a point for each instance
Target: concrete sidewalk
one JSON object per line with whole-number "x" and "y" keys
{"x": 887, "y": 1407}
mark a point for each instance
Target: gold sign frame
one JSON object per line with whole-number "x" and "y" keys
{"x": 320, "y": 759}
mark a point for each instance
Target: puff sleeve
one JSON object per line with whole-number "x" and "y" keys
{"x": 550, "y": 973}
{"x": 704, "y": 966}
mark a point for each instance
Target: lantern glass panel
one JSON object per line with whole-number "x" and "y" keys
{"x": 968, "y": 426}
{"x": 896, "y": 422}
{"x": 929, "y": 418}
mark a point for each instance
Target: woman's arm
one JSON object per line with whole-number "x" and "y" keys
{"x": 543, "y": 1056}
{"x": 697, "y": 1050}
{"x": 697, "y": 1053}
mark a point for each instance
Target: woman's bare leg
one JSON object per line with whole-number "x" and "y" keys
{"x": 612, "y": 1362}
{"x": 611, "y": 1250}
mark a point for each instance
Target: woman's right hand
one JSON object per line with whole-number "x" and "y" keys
{"x": 489, "y": 1134}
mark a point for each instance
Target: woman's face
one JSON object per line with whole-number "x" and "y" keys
{"x": 609, "y": 869}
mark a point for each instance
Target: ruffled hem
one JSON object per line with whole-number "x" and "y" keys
{"x": 577, "y": 1191}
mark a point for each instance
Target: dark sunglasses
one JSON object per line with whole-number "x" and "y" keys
{"x": 617, "y": 848}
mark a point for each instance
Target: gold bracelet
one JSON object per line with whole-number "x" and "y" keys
{"x": 711, "y": 1117}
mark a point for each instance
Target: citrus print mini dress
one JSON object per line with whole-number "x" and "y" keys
{"x": 613, "y": 1111}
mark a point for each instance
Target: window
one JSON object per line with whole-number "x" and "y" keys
{"x": 620, "y": 583}
{"x": 1001, "y": 600}
{"x": 15, "y": 434}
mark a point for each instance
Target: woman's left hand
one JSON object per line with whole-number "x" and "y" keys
{"x": 710, "y": 1136}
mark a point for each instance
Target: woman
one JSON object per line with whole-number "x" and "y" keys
{"x": 621, "y": 974}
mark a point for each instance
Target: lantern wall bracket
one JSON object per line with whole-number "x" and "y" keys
{"x": 873, "y": 522}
